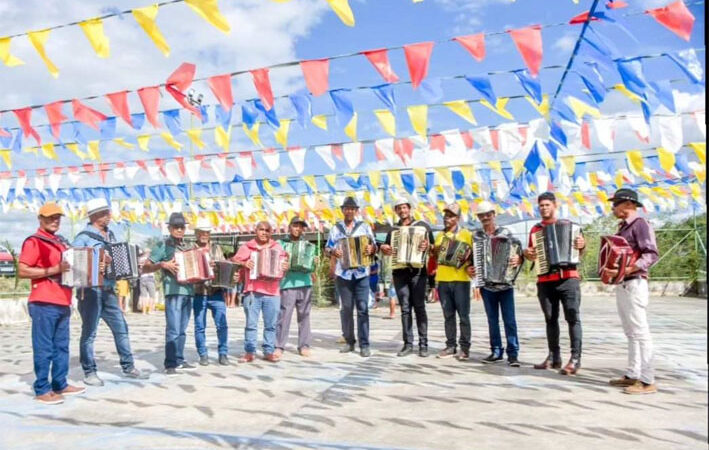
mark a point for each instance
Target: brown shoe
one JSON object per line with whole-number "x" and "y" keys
{"x": 71, "y": 390}
{"x": 278, "y": 353}
{"x": 572, "y": 367}
{"x": 624, "y": 381}
{"x": 551, "y": 362}
{"x": 246, "y": 358}
{"x": 640, "y": 388}
{"x": 305, "y": 352}
{"x": 50, "y": 398}
{"x": 272, "y": 357}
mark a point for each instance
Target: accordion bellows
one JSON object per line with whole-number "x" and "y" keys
{"x": 615, "y": 253}
{"x": 354, "y": 252}
{"x": 301, "y": 255}
{"x": 193, "y": 266}
{"x": 405, "y": 242}
{"x": 491, "y": 258}
{"x": 85, "y": 269}
{"x": 554, "y": 245}
{"x": 453, "y": 253}
{"x": 267, "y": 264}
{"x": 225, "y": 274}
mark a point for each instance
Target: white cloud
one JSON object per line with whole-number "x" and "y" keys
{"x": 565, "y": 43}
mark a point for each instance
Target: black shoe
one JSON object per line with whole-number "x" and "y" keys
{"x": 187, "y": 366}
{"x": 204, "y": 360}
{"x": 405, "y": 350}
{"x": 223, "y": 360}
{"x": 365, "y": 352}
{"x": 423, "y": 352}
{"x": 446, "y": 353}
{"x": 171, "y": 372}
{"x": 513, "y": 361}
{"x": 347, "y": 348}
{"x": 491, "y": 359}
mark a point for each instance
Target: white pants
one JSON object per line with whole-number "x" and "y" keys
{"x": 632, "y": 298}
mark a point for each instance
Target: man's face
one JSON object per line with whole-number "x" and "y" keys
{"x": 403, "y": 211}
{"x": 450, "y": 220}
{"x": 623, "y": 208}
{"x": 177, "y": 231}
{"x": 487, "y": 218}
{"x": 202, "y": 237}
{"x": 296, "y": 230}
{"x": 349, "y": 213}
{"x": 263, "y": 233}
{"x": 50, "y": 224}
{"x": 547, "y": 209}
{"x": 101, "y": 219}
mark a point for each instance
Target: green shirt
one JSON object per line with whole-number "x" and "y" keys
{"x": 163, "y": 252}
{"x": 294, "y": 279}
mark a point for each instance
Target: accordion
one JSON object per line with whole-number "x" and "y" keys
{"x": 554, "y": 245}
{"x": 225, "y": 274}
{"x": 302, "y": 256}
{"x": 616, "y": 254}
{"x": 354, "y": 252}
{"x": 491, "y": 258}
{"x": 453, "y": 253}
{"x": 124, "y": 261}
{"x": 193, "y": 265}
{"x": 85, "y": 267}
{"x": 406, "y": 241}
{"x": 267, "y": 264}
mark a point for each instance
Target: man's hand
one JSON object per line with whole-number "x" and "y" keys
{"x": 370, "y": 249}
{"x": 579, "y": 243}
{"x": 515, "y": 260}
{"x": 316, "y": 260}
{"x": 632, "y": 269}
{"x": 337, "y": 253}
{"x": 249, "y": 264}
{"x": 285, "y": 265}
{"x": 611, "y": 272}
{"x": 63, "y": 266}
{"x": 170, "y": 266}
{"x": 386, "y": 249}
{"x": 102, "y": 266}
{"x": 107, "y": 258}
{"x": 530, "y": 253}
{"x": 423, "y": 245}
{"x": 470, "y": 270}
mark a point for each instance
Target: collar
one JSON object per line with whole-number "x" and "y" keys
{"x": 454, "y": 231}
{"x": 254, "y": 245}
{"x": 626, "y": 222}
{"x": 42, "y": 232}
{"x": 401, "y": 224}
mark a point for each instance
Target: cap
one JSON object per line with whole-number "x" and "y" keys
{"x": 96, "y": 205}
{"x": 485, "y": 207}
{"x": 349, "y": 203}
{"x": 626, "y": 194}
{"x": 452, "y": 208}
{"x": 50, "y": 209}
{"x": 177, "y": 219}
{"x": 401, "y": 201}
{"x": 297, "y": 220}
{"x": 203, "y": 224}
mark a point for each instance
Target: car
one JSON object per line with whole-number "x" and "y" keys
{"x": 7, "y": 263}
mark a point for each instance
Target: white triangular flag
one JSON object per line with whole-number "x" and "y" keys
{"x": 154, "y": 172}
{"x": 638, "y": 124}
{"x": 573, "y": 135}
{"x": 510, "y": 141}
{"x": 192, "y": 168}
{"x": 5, "y": 185}
{"x": 172, "y": 172}
{"x": 481, "y": 136}
{"x": 297, "y": 158}
{"x": 670, "y": 128}
{"x": 219, "y": 167}
{"x": 132, "y": 171}
{"x": 244, "y": 163}
{"x": 272, "y": 158}
{"x": 20, "y": 186}
{"x": 325, "y": 152}
{"x": 353, "y": 153}
{"x": 605, "y": 131}
{"x": 39, "y": 182}
{"x": 701, "y": 119}
{"x": 385, "y": 147}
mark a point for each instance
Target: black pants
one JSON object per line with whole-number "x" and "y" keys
{"x": 568, "y": 293}
{"x": 410, "y": 285}
{"x": 455, "y": 298}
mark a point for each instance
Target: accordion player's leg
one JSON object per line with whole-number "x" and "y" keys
{"x": 199, "y": 308}
{"x": 271, "y": 307}
{"x": 418, "y": 289}
{"x": 507, "y": 305}
{"x": 361, "y": 296}
{"x": 218, "y": 308}
{"x": 90, "y": 310}
{"x": 303, "y": 306}
{"x": 112, "y": 314}
{"x": 491, "y": 302}
{"x": 345, "y": 290}
{"x": 288, "y": 301}
{"x": 402, "y": 283}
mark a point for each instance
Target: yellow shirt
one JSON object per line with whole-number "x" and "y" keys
{"x": 450, "y": 273}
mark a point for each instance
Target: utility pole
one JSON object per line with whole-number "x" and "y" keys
{"x": 195, "y": 100}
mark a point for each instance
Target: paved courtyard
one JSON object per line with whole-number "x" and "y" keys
{"x": 335, "y": 401}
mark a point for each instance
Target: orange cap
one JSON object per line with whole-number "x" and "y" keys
{"x": 50, "y": 209}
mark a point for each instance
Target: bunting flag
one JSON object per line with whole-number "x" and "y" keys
{"x": 462, "y": 109}
{"x": 380, "y": 61}
{"x": 343, "y": 11}
{"x": 178, "y": 82}
{"x": 320, "y": 121}
{"x": 38, "y": 39}
{"x": 143, "y": 142}
{"x": 325, "y": 152}
{"x": 351, "y": 128}
{"x": 150, "y": 99}
{"x": 119, "y": 106}
{"x": 316, "y": 73}
{"x": 262, "y": 83}
{"x": 417, "y": 59}
{"x": 474, "y": 44}
{"x": 221, "y": 88}
{"x": 500, "y": 107}
{"x": 24, "y": 116}
{"x": 676, "y": 17}
{"x": 387, "y": 121}
{"x": 353, "y": 153}
{"x": 222, "y": 137}
{"x": 195, "y": 137}
{"x": 93, "y": 29}
{"x": 86, "y": 115}
{"x": 146, "y": 19}
{"x": 581, "y": 109}
{"x": 281, "y": 135}
{"x": 529, "y": 44}
{"x": 667, "y": 159}
{"x": 297, "y": 158}
{"x": 6, "y": 157}
{"x": 6, "y": 57}
{"x": 55, "y": 116}
{"x": 252, "y": 133}
{"x": 418, "y": 115}
{"x": 209, "y": 11}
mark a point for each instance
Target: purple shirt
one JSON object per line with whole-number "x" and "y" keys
{"x": 641, "y": 237}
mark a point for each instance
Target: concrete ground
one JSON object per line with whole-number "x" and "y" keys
{"x": 345, "y": 401}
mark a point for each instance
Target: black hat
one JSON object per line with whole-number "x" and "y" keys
{"x": 177, "y": 219}
{"x": 626, "y": 194}
{"x": 349, "y": 203}
{"x": 297, "y": 220}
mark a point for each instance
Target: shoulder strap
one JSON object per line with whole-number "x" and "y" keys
{"x": 341, "y": 228}
{"x": 60, "y": 240}
{"x": 96, "y": 236}
{"x": 356, "y": 226}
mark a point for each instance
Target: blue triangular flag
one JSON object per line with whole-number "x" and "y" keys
{"x": 688, "y": 62}
{"x": 431, "y": 91}
{"x": 533, "y": 160}
{"x": 385, "y": 92}
{"x": 343, "y": 106}
{"x": 171, "y": 118}
{"x": 531, "y": 85}
{"x": 631, "y": 72}
{"x": 303, "y": 107}
{"x": 407, "y": 179}
{"x": 108, "y": 128}
{"x": 556, "y": 132}
{"x": 137, "y": 119}
{"x": 222, "y": 117}
{"x": 269, "y": 114}
{"x": 484, "y": 87}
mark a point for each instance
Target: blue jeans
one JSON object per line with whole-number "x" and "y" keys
{"x": 354, "y": 293}
{"x": 494, "y": 303}
{"x": 50, "y": 345}
{"x": 214, "y": 303}
{"x": 254, "y": 304}
{"x": 177, "y": 317}
{"x": 96, "y": 304}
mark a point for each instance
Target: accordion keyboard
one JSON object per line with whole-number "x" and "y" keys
{"x": 479, "y": 262}
{"x": 541, "y": 263}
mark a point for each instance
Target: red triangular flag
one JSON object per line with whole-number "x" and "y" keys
{"x": 221, "y": 88}
{"x": 24, "y": 116}
{"x": 585, "y": 135}
{"x": 181, "y": 165}
{"x": 380, "y": 61}
{"x": 87, "y": 115}
{"x": 141, "y": 163}
{"x": 523, "y": 132}
{"x": 336, "y": 150}
{"x": 417, "y": 58}
{"x": 263, "y": 87}
{"x": 474, "y": 43}
{"x": 529, "y": 43}
{"x": 88, "y": 168}
{"x": 581, "y": 18}
{"x": 495, "y": 138}
{"x": 438, "y": 142}
{"x": 119, "y": 105}
{"x": 617, "y": 4}
{"x": 316, "y": 74}
{"x": 404, "y": 148}
{"x": 150, "y": 98}
{"x": 676, "y": 17}
{"x": 379, "y": 153}
{"x": 55, "y": 116}
{"x": 102, "y": 171}
{"x": 467, "y": 139}
{"x": 177, "y": 84}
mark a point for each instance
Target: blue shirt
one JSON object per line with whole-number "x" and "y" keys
{"x": 84, "y": 240}
{"x": 335, "y": 235}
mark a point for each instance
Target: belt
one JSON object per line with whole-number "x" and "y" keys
{"x": 636, "y": 277}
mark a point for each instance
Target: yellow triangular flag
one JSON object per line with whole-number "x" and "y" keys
{"x": 351, "y": 128}
{"x": 619, "y": 179}
{"x": 696, "y": 192}
{"x": 387, "y": 120}
{"x": 569, "y": 163}
{"x": 143, "y": 141}
{"x": 281, "y": 134}
{"x": 74, "y": 148}
{"x": 579, "y": 198}
{"x": 93, "y": 150}
{"x": 146, "y": 19}
{"x": 462, "y": 108}
{"x": 418, "y": 115}
{"x": 543, "y": 107}
{"x": 343, "y": 11}
{"x": 331, "y": 179}
{"x": 580, "y": 108}
{"x": 252, "y": 133}
{"x": 496, "y": 165}
{"x": 517, "y": 165}
{"x": 420, "y": 174}
{"x": 6, "y": 157}
{"x": 375, "y": 178}
{"x": 499, "y": 107}
{"x": 320, "y": 121}
{"x": 6, "y": 57}
{"x": 34, "y": 150}
{"x": 48, "y": 151}
{"x": 122, "y": 142}
{"x": 209, "y": 11}
{"x": 635, "y": 160}
{"x": 623, "y": 90}
{"x": 171, "y": 140}
{"x": 700, "y": 148}
{"x": 93, "y": 29}
{"x": 667, "y": 159}
{"x": 395, "y": 179}
{"x": 548, "y": 162}
{"x": 222, "y": 137}
{"x": 677, "y": 190}
{"x": 38, "y": 39}
{"x": 195, "y": 135}
{"x": 310, "y": 181}
{"x": 445, "y": 174}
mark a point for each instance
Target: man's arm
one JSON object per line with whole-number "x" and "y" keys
{"x": 647, "y": 246}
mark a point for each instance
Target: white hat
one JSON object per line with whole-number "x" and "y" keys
{"x": 401, "y": 201}
{"x": 203, "y": 224}
{"x": 96, "y": 205}
{"x": 485, "y": 207}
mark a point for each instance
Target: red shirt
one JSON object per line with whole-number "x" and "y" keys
{"x": 562, "y": 274}
{"x": 38, "y": 253}
{"x": 259, "y": 286}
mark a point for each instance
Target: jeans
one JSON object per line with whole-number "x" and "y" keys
{"x": 410, "y": 285}
{"x": 496, "y": 301}
{"x": 254, "y": 305}
{"x": 96, "y": 304}
{"x": 568, "y": 293}
{"x": 354, "y": 293}
{"x": 177, "y": 317}
{"x": 300, "y": 300}
{"x": 214, "y": 303}
{"x": 632, "y": 298}
{"x": 455, "y": 298}
{"x": 50, "y": 346}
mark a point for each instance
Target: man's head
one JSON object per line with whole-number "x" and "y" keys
{"x": 349, "y": 209}
{"x": 202, "y": 231}
{"x": 263, "y": 232}
{"x": 99, "y": 213}
{"x": 176, "y": 225}
{"x": 486, "y": 213}
{"x": 451, "y": 214}
{"x": 402, "y": 208}
{"x": 547, "y": 205}
{"x": 296, "y": 227}
{"x": 50, "y": 217}
{"x": 625, "y": 203}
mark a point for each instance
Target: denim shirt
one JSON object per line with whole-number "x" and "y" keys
{"x": 84, "y": 240}
{"x": 335, "y": 235}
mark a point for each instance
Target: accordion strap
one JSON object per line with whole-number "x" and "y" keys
{"x": 342, "y": 229}
{"x": 58, "y": 242}
{"x": 98, "y": 237}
